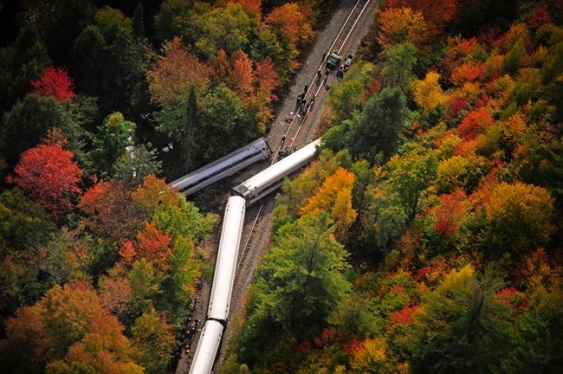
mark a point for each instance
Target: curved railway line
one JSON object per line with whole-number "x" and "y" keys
{"x": 299, "y": 132}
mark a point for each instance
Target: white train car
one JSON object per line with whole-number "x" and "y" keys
{"x": 225, "y": 266}
{"x": 271, "y": 178}
{"x": 225, "y": 166}
{"x": 207, "y": 347}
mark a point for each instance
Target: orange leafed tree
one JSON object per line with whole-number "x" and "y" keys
{"x": 70, "y": 328}
{"x": 467, "y": 72}
{"x": 437, "y": 13}
{"x": 401, "y": 25}
{"x": 255, "y": 85}
{"x": 240, "y": 77}
{"x": 48, "y": 176}
{"x": 153, "y": 192}
{"x": 171, "y": 76}
{"x": 291, "y": 21}
{"x": 54, "y": 83}
{"x": 335, "y": 195}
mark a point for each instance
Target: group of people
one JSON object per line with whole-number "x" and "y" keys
{"x": 189, "y": 333}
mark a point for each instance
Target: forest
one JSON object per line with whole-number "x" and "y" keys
{"x": 425, "y": 238}
{"x": 102, "y": 103}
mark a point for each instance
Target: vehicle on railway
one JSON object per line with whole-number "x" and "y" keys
{"x": 225, "y": 266}
{"x": 333, "y": 61}
{"x": 207, "y": 347}
{"x": 271, "y": 178}
{"x": 225, "y": 166}
{"x": 345, "y": 66}
{"x": 222, "y": 287}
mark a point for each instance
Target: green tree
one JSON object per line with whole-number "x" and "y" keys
{"x": 25, "y": 224}
{"x": 542, "y": 330}
{"x": 228, "y": 28}
{"x": 144, "y": 287}
{"x": 65, "y": 21}
{"x": 299, "y": 284}
{"x": 139, "y": 23}
{"x": 21, "y": 63}
{"x": 154, "y": 339}
{"x": 398, "y": 66}
{"x": 301, "y": 280}
{"x": 26, "y": 123}
{"x": 463, "y": 327}
{"x": 135, "y": 164}
{"x": 410, "y": 175}
{"x": 377, "y": 128}
{"x": 225, "y": 123}
{"x": 345, "y": 98}
{"x": 169, "y": 21}
{"x": 113, "y": 137}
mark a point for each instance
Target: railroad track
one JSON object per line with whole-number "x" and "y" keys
{"x": 319, "y": 84}
{"x": 257, "y": 227}
{"x": 292, "y": 138}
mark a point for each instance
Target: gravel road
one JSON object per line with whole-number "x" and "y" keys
{"x": 215, "y": 197}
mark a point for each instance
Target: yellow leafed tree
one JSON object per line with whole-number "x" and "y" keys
{"x": 427, "y": 92}
{"x": 402, "y": 25}
{"x": 335, "y": 196}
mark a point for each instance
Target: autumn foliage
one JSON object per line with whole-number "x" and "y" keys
{"x": 401, "y": 25}
{"x": 436, "y": 13}
{"x": 55, "y": 83}
{"x": 476, "y": 122}
{"x": 450, "y": 213}
{"x": 48, "y": 176}
{"x": 171, "y": 76}
{"x": 335, "y": 196}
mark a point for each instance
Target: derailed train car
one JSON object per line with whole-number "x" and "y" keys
{"x": 225, "y": 267}
{"x": 222, "y": 287}
{"x": 225, "y": 166}
{"x": 271, "y": 178}
{"x": 207, "y": 347}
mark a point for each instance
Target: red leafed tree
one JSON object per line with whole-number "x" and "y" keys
{"x": 437, "y": 13}
{"x": 404, "y": 316}
{"x": 266, "y": 78}
{"x": 450, "y": 212}
{"x": 266, "y": 81}
{"x": 55, "y": 83}
{"x": 151, "y": 244}
{"x": 476, "y": 122}
{"x": 48, "y": 176}
{"x": 111, "y": 212}
{"x": 540, "y": 16}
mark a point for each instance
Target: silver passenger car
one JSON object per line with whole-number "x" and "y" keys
{"x": 226, "y": 264}
{"x": 225, "y": 166}
{"x": 271, "y": 178}
{"x": 207, "y": 347}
